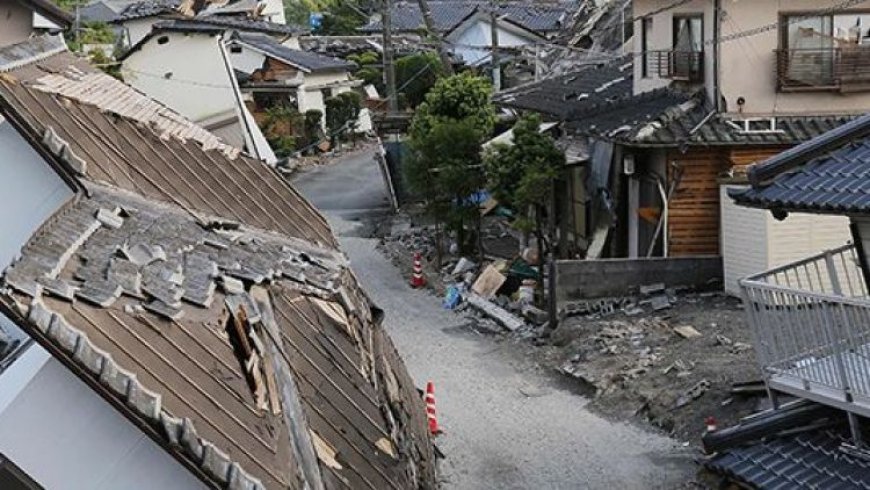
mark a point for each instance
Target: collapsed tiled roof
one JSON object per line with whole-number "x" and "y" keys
{"x": 664, "y": 117}
{"x": 147, "y": 8}
{"x": 813, "y": 460}
{"x": 237, "y": 339}
{"x": 121, "y": 137}
{"x": 220, "y": 24}
{"x": 830, "y": 174}
{"x": 573, "y": 93}
{"x": 309, "y": 62}
{"x": 632, "y": 119}
{"x": 446, "y": 15}
{"x": 701, "y": 128}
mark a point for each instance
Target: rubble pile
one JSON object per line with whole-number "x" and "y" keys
{"x": 673, "y": 365}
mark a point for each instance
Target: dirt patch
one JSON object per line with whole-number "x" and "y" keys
{"x": 673, "y": 368}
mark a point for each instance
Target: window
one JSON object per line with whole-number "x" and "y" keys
{"x": 686, "y": 58}
{"x": 824, "y": 51}
{"x": 688, "y": 33}
{"x": 645, "y": 32}
{"x": 14, "y": 478}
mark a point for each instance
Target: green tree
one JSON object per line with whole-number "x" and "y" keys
{"x": 342, "y": 112}
{"x": 521, "y": 175}
{"x": 417, "y": 74}
{"x": 446, "y": 133}
{"x": 369, "y": 68}
{"x": 341, "y": 19}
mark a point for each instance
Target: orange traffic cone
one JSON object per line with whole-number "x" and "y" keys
{"x": 430, "y": 409}
{"x": 417, "y": 279}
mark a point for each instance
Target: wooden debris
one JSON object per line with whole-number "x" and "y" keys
{"x": 489, "y": 282}
{"x": 325, "y": 453}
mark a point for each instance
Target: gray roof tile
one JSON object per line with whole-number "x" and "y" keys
{"x": 572, "y": 93}
{"x": 808, "y": 460}
{"x": 446, "y": 15}
{"x": 305, "y": 60}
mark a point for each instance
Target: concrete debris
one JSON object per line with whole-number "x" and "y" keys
{"x": 687, "y": 331}
{"x": 651, "y": 289}
{"x": 500, "y": 315}
{"x": 696, "y": 391}
{"x": 110, "y": 219}
{"x": 464, "y": 265}
{"x": 660, "y": 302}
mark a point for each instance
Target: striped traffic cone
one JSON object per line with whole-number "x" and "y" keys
{"x": 430, "y": 409}
{"x": 417, "y": 279}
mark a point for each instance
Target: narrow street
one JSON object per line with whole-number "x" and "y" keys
{"x": 507, "y": 424}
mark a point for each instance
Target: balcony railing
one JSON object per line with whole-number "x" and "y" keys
{"x": 687, "y": 66}
{"x": 843, "y": 69}
{"x": 810, "y": 322}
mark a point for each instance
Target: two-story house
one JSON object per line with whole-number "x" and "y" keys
{"x": 715, "y": 86}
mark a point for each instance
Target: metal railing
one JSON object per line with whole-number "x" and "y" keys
{"x": 687, "y": 66}
{"x": 810, "y": 322}
{"x": 845, "y": 69}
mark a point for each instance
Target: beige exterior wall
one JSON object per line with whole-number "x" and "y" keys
{"x": 747, "y": 65}
{"x": 16, "y": 22}
{"x": 662, "y": 35}
{"x": 753, "y": 61}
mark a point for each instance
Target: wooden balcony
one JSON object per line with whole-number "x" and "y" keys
{"x": 834, "y": 69}
{"x": 685, "y": 66}
{"x": 810, "y": 322}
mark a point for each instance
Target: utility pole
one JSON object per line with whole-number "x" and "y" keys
{"x": 439, "y": 40}
{"x": 552, "y": 312}
{"x": 493, "y": 33}
{"x": 389, "y": 66}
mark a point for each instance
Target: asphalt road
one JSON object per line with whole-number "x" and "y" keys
{"x": 507, "y": 425}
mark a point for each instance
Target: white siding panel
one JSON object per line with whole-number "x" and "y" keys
{"x": 66, "y": 437}
{"x": 744, "y": 241}
{"x": 801, "y": 235}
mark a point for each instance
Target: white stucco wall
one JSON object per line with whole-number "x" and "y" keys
{"x": 187, "y": 73}
{"x": 479, "y": 33}
{"x": 137, "y": 29}
{"x": 62, "y": 434}
{"x": 273, "y": 10}
{"x": 244, "y": 59}
{"x": 192, "y": 74}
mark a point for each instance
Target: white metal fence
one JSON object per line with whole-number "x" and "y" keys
{"x": 811, "y": 325}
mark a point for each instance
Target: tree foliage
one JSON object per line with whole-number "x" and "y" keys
{"x": 521, "y": 175}
{"x": 341, "y": 19}
{"x": 342, "y": 112}
{"x": 446, "y": 136}
{"x": 417, "y": 74}
{"x": 369, "y": 68}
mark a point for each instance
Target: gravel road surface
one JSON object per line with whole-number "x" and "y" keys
{"x": 508, "y": 424}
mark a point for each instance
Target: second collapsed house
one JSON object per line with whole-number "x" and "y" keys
{"x": 667, "y": 130}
